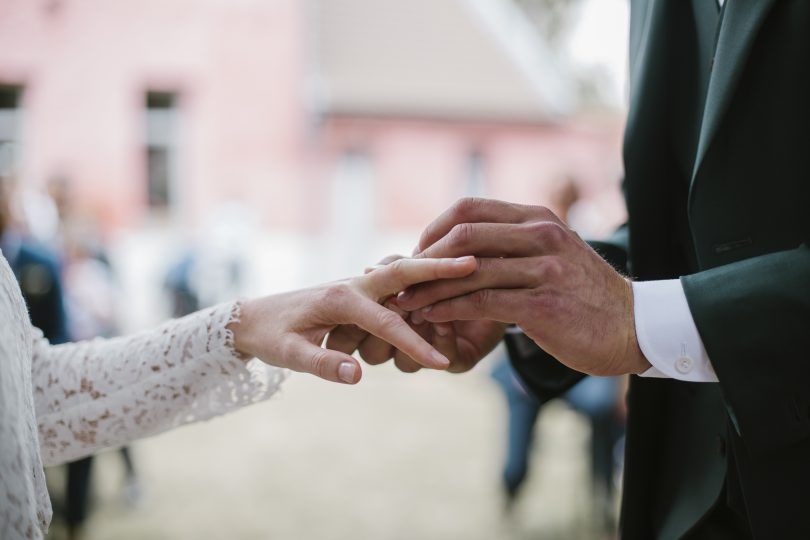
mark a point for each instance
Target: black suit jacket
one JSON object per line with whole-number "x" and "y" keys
{"x": 735, "y": 228}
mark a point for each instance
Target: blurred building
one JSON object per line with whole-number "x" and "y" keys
{"x": 341, "y": 115}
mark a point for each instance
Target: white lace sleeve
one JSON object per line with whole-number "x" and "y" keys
{"x": 105, "y": 393}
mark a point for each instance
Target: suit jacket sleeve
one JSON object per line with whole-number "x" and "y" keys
{"x": 542, "y": 373}
{"x": 754, "y": 319}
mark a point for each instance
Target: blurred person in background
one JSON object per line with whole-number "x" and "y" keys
{"x": 68, "y": 286}
{"x": 597, "y": 398}
{"x": 184, "y": 298}
{"x": 212, "y": 270}
{"x": 91, "y": 294}
{"x": 36, "y": 268}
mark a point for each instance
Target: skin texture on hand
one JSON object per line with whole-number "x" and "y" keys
{"x": 464, "y": 343}
{"x": 535, "y": 272}
{"x": 286, "y": 330}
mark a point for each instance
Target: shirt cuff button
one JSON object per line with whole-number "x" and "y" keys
{"x": 684, "y": 365}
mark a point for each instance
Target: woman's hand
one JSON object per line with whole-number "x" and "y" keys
{"x": 286, "y": 330}
{"x": 463, "y": 343}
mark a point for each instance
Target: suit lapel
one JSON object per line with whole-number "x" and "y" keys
{"x": 741, "y": 23}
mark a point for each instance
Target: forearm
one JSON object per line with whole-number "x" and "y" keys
{"x": 103, "y": 393}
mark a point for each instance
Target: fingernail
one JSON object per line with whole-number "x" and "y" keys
{"x": 441, "y": 329}
{"x": 347, "y": 372}
{"x": 426, "y": 309}
{"x": 440, "y": 359}
{"x": 465, "y": 259}
{"x": 417, "y": 318}
{"x": 404, "y": 295}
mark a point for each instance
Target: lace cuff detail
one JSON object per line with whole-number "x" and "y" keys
{"x": 110, "y": 392}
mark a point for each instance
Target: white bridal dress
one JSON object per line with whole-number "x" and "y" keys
{"x": 59, "y": 403}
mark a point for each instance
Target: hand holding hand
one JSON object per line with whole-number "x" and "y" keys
{"x": 287, "y": 330}
{"x": 463, "y": 343}
{"x": 535, "y": 272}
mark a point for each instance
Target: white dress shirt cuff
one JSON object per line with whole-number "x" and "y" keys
{"x": 667, "y": 334}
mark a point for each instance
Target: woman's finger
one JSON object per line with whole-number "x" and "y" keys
{"x": 401, "y": 274}
{"x": 389, "y": 326}
{"x": 492, "y": 273}
{"x": 384, "y": 262}
{"x": 334, "y": 366}
{"x": 405, "y": 363}
{"x": 374, "y": 350}
{"x": 501, "y": 305}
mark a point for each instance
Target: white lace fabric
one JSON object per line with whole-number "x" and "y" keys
{"x": 60, "y": 403}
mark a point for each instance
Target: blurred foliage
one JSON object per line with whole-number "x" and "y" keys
{"x": 555, "y": 20}
{"x": 552, "y": 17}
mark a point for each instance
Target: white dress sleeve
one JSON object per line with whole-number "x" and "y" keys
{"x": 106, "y": 392}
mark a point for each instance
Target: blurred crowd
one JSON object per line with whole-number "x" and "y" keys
{"x": 69, "y": 285}
{"x": 601, "y": 400}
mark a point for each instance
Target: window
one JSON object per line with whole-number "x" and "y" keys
{"x": 353, "y": 194}
{"x": 10, "y": 113}
{"x": 161, "y": 120}
{"x": 475, "y": 184}
{"x": 351, "y": 228}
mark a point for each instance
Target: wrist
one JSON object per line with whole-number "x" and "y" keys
{"x": 241, "y": 329}
{"x": 636, "y": 362}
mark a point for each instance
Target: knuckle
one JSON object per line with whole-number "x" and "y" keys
{"x": 465, "y": 206}
{"x": 546, "y": 302}
{"x": 390, "y": 259}
{"x": 551, "y": 268}
{"x": 540, "y": 212}
{"x": 397, "y": 268}
{"x": 549, "y": 234}
{"x": 480, "y": 300}
{"x": 388, "y": 319}
{"x": 461, "y": 235}
{"x": 335, "y": 294}
{"x": 319, "y": 364}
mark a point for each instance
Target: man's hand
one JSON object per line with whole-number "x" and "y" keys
{"x": 464, "y": 343}
{"x": 287, "y": 330}
{"x": 535, "y": 272}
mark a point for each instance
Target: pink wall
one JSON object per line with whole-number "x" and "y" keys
{"x": 421, "y": 166}
{"x": 85, "y": 66}
{"x": 241, "y": 69}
